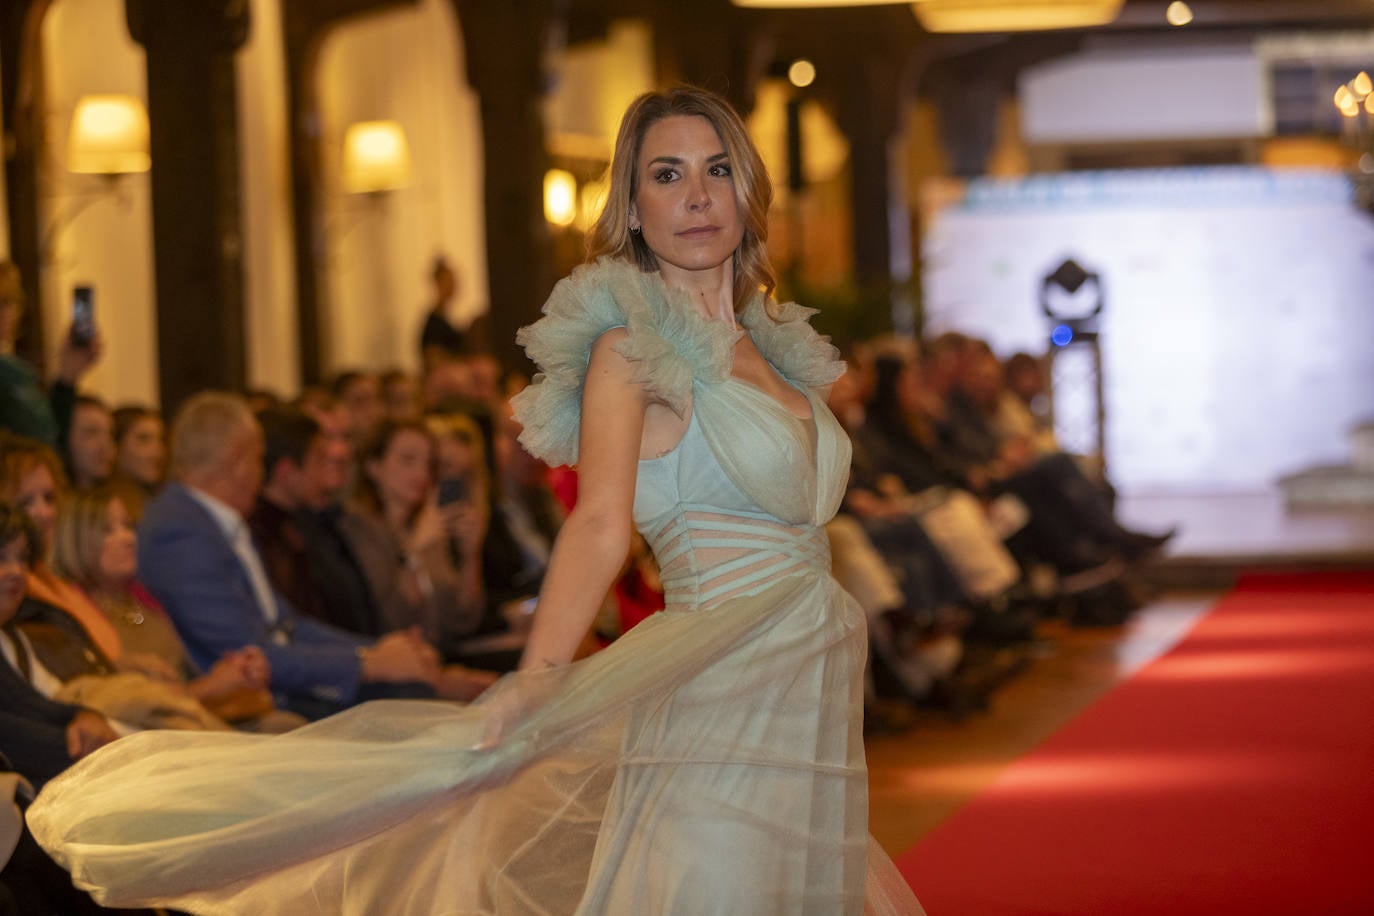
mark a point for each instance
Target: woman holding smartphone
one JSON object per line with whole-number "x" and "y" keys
{"x": 422, "y": 561}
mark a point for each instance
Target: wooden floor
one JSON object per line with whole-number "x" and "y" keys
{"x": 918, "y": 778}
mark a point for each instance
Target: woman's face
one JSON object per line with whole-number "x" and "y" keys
{"x": 983, "y": 381}
{"x": 363, "y": 402}
{"x": 402, "y": 474}
{"x": 37, "y": 498}
{"x": 14, "y": 568}
{"x": 457, "y": 458}
{"x": 402, "y": 399}
{"x": 685, "y": 203}
{"x": 143, "y": 451}
{"x": 91, "y": 444}
{"x": 117, "y": 561}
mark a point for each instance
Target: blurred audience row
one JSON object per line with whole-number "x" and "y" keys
{"x": 964, "y": 525}
{"x": 264, "y": 562}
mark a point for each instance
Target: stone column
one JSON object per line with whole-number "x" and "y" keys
{"x": 198, "y": 269}
{"x": 504, "y": 43}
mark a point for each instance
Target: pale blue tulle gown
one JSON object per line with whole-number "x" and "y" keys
{"x": 709, "y": 762}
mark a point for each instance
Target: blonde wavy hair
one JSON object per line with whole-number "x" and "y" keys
{"x": 611, "y": 235}
{"x": 80, "y": 535}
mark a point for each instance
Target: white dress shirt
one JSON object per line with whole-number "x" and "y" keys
{"x": 236, "y": 531}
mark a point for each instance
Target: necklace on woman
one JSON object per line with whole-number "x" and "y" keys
{"x": 123, "y": 609}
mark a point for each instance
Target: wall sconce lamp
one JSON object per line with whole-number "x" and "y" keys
{"x": 108, "y": 138}
{"x": 570, "y": 202}
{"x": 560, "y": 197}
{"x": 376, "y": 158}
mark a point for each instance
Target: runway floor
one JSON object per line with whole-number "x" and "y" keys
{"x": 917, "y": 779}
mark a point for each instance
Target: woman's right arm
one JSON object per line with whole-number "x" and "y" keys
{"x": 594, "y": 541}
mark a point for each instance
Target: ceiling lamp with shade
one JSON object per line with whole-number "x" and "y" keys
{"x": 1013, "y": 15}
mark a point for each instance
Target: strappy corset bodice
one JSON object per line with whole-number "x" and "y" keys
{"x": 712, "y": 540}
{"x": 706, "y": 557}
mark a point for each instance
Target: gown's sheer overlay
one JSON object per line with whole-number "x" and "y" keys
{"x": 710, "y": 761}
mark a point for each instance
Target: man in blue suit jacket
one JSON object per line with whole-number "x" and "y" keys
{"x": 196, "y": 556}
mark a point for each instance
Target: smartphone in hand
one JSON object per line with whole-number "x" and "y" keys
{"x": 83, "y": 315}
{"x": 452, "y": 490}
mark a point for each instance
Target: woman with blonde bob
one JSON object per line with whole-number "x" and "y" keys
{"x": 96, "y": 548}
{"x": 709, "y": 761}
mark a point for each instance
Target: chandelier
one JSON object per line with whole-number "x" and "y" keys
{"x": 1355, "y": 100}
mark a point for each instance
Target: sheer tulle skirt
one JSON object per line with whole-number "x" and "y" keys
{"x": 710, "y": 761}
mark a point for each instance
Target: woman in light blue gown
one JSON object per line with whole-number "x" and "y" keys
{"x": 711, "y": 761}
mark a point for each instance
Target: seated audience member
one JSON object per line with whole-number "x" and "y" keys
{"x": 313, "y": 398}
{"x": 1051, "y": 485}
{"x": 64, "y": 663}
{"x": 197, "y": 558}
{"x": 31, "y": 479}
{"x": 41, "y": 737}
{"x": 296, "y": 523}
{"x": 527, "y": 505}
{"x": 424, "y": 565}
{"x": 906, "y": 662}
{"x": 1021, "y": 408}
{"x": 485, "y": 379}
{"x": 1022, "y": 411}
{"x": 97, "y": 549}
{"x": 358, "y": 394}
{"x": 90, "y": 443}
{"x": 335, "y": 426}
{"x": 901, "y": 533}
{"x": 25, "y": 408}
{"x": 464, "y": 478}
{"x": 896, "y": 474}
{"x": 400, "y": 395}
{"x": 463, "y": 455}
{"x": 140, "y": 454}
{"x": 448, "y": 387}
{"x": 261, "y": 399}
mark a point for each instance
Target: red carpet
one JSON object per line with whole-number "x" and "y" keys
{"x": 1233, "y": 775}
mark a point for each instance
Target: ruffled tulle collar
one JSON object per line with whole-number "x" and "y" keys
{"x": 785, "y": 338}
